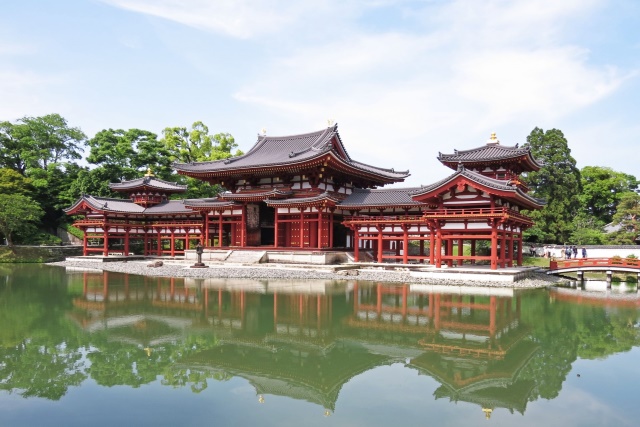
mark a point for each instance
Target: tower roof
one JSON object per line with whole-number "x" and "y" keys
{"x": 492, "y": 152}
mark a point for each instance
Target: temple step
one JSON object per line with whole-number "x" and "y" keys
{"x": 246, "y": 257}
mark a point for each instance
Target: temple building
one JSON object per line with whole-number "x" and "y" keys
{"x": 306, "y": 193}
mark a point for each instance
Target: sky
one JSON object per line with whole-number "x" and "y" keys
{"x": 404, "y": 80}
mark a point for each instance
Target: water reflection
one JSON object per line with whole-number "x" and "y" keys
{"x": 494, "y": 348}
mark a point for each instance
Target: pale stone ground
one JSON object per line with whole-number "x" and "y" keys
{"x": 294, "y": 272}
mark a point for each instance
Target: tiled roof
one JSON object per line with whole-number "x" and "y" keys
{"x": 286, "y": 150}
{"x": 275, "y": 192}
{"x": 169, "y": 207}
{"x": 495, "y": 184}
{"x": 128, "y": 206}
{"x": 380, "y": 197}
{"x": 208, "y": 203}
{"x": 489, "y": 152}
{"x": 148, "y": 182}
{"x": 108, "y": 204}
{"x": 304, "y": 200}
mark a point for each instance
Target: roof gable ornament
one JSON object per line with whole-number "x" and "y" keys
{"x": 493, "y": 139}
{"x": 460, "y": 167}
{"x": 149, "y": 173}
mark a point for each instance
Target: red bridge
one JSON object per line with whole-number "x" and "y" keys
{"x": 609, "y": 265}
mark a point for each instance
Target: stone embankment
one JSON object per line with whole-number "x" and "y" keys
{"x": 281, "y": 271}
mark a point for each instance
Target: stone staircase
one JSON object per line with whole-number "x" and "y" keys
{"x": 246, "y": 257}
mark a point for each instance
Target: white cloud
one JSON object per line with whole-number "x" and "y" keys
{"x": 236, "y": 18}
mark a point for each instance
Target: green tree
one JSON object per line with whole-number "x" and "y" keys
{"x": 11, "y": 182}
{"x": 558, "y": 182}
{"x": 17, "y": 212}
{"x": 626, "y": 219}
{"x": 198, "y": 145}
{"x": 587, "y": 230}
{"x": 125, "y": 155}
{"x": 601, "y": 191}
{"x": 37, "y": 142}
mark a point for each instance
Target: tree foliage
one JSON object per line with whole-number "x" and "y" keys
{"x": 197, "y": 145}
{"x": 17, "y": 212}
{"x": 626, "y": 219}
{"x": 602, "y": 189}
{"x": 558, "y": 182}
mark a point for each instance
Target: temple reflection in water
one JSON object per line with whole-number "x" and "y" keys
{"x": 306, "y": 340}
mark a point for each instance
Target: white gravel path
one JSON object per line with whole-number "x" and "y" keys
{"x": 292, "y": 272}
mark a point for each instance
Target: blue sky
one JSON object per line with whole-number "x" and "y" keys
{"x": 403, "y": 79}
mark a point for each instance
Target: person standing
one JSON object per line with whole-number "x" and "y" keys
{"x": 584, "y": 252}
{"x": 575, "y": 251}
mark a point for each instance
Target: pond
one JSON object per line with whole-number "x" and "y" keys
{"x": 83, "y": 347}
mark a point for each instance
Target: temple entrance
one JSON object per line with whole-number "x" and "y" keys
{"x": 267, "y": 216}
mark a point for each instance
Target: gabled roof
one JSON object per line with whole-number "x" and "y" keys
{"x": 111, "y": 205}
{"x": 503, "y": 188}
{"x": 385, "y": 197}
{"x": 491, "y": 152}
{"x": 283, "y": 151}
{"x": 148, "y": 182}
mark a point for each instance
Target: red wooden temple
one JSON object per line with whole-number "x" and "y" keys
{"x": 305, "y": 192}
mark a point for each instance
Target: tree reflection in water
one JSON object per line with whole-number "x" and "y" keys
{"x": 496, "y": 348}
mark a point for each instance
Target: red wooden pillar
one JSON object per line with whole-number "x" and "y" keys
{"x": 186, "y": 239}
{"x": 220, "y": 228}
{"x": 243, "y": 226}
{"x": 432, "y": 247}
{"x": 450, "y": 252}
{"x": 85, "y": 242}
{"x": 356, "y": 244}
{"x": 503, "y": 248}
{"x": 173, "y": 242}
{"x": 320, "y": 224}
{"x": 159, "y": 242}
{"x": 380, "y": 227}
{"x": 204, "y": 234}
{"x": 438, "y": 248}
{"x": 511, "y": 250}
{"x": 405, "y": 244}
{"x": 301, "y": 237}
{"x": 460, "y": 250}
{"x": 105, "y": 238}
{"x": 276, "y": 228}
{"x": 494, "y": 246}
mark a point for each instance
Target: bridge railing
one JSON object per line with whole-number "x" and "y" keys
{"x": 595, "y": 262}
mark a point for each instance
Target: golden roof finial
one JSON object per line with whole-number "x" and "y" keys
{"x": 493, "y": 140}
{"x": 149, "y": 173}
{"x": 487, "y": 412}
{"x": 260, "y": 398}
{"x": 330, "y": 122}
{"x": 264, "y": 131}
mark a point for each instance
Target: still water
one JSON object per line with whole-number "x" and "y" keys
{"x": 82, "y": 348}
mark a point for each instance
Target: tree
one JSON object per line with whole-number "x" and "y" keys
{"x": 558, "y": 182}
{"x": 37, "y": 142}
{"x": 11, "y": 182}
{"x": 17, "y": 212}
{"x": 601, "y": 191}
{"x": 197, "y": 145}
{"x": 627, "y": 219}
{"x": 125, "y": 155}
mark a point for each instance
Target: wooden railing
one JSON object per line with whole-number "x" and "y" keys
{"x": 441, "y": 213}
{"x": 595, "y": 262}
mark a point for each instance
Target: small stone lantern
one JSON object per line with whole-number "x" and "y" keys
{"x": 199, "y": 251}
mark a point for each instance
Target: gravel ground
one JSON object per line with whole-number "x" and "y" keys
{"x": 278, "y": 271}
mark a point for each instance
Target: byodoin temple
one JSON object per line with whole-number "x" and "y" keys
{"x": 306, "y": 193}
